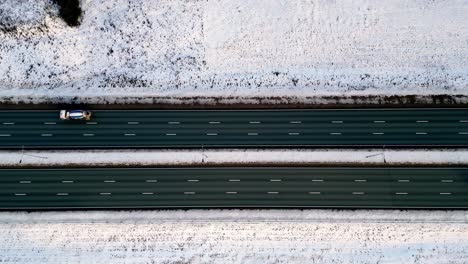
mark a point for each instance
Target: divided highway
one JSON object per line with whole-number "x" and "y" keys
{"x": 234, "y": 187}
{"x": 253, "y": 128}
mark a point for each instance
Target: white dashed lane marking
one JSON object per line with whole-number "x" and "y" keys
{"x": 133, "y": 123}
{"x": 294, "y": 134}
{"x": 5, "y": 135}
{"x": 88, "y": 135}
{"x": 105, "y": 193}
{"x": 20, "y": 194}
{"x": 337, "y": 122}
{"x": 91, "y": 123}
{"x": 378, "y": 133}
{"x": 401, "y": 193}
{"x": 151, "y": 180}
{"x": 403, "y": 180}
{"x": 173, "y": 123}
{"x": 50, "y": 123}
{"x": 273, "y": 192}
{"x": 422, "y": 121}
{"x": 446, "y": 181}
{"x": 231, "y": 192}
{"x": 255, "y": 122}
{"x": 62, "y": 194}
{"x": 214, "y": 122}
{"x": 211, "y": 134}
{"x": 189, "y": 193}
{"x": 7, "y": 123}
{"x": 445, "y": 193}
{"x": 68, "y": 181}
{"x": 358, "y": 193}
{"x": 314, "y": 192}
{"x": 360, "y": 180}
{"x": 335, "y": 133}
{"x": 379, "y": 121}
{"x": 25, "y": 182}
{"x": 46, "y": 135}
{"x": 421, "y": 133}
{"x": 147, "y": 193}
{"x": 252, "y": 134}
{"x": 171, "y": 134}
{"x": 129, "y": 135}
{"x": 295, "y": 122}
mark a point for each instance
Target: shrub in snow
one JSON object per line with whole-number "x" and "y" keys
{"x": 70, "y": 11}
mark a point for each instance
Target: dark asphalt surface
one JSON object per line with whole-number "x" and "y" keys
{"x": 234, "y": 187}
{"x": 253, "y": 128}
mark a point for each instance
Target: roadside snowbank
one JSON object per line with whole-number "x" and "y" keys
{"x": 235, "y": 236}
{"x": 233, "y": 157}
{"x": 237, "y": 49}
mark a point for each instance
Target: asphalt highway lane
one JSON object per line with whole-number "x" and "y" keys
{"x": 233, "y": 188}
{"x": 248, "y": 128}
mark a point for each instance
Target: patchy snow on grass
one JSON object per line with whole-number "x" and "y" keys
{"x": 248, "y": 157}
{"x": 235, "y": 236}
{"x": 237, "y": 49}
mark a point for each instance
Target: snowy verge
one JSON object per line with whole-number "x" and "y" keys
{"x": 233, "y": 157}
{"x": 235, "y": 215}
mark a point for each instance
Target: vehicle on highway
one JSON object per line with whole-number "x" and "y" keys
{"x": 75, "y": 115}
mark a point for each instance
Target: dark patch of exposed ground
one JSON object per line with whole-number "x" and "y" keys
{"x": 326, "y": 102}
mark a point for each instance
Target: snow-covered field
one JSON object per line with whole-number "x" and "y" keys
{"x": 236, "y": 236}
{"x": 128, "y": 50}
